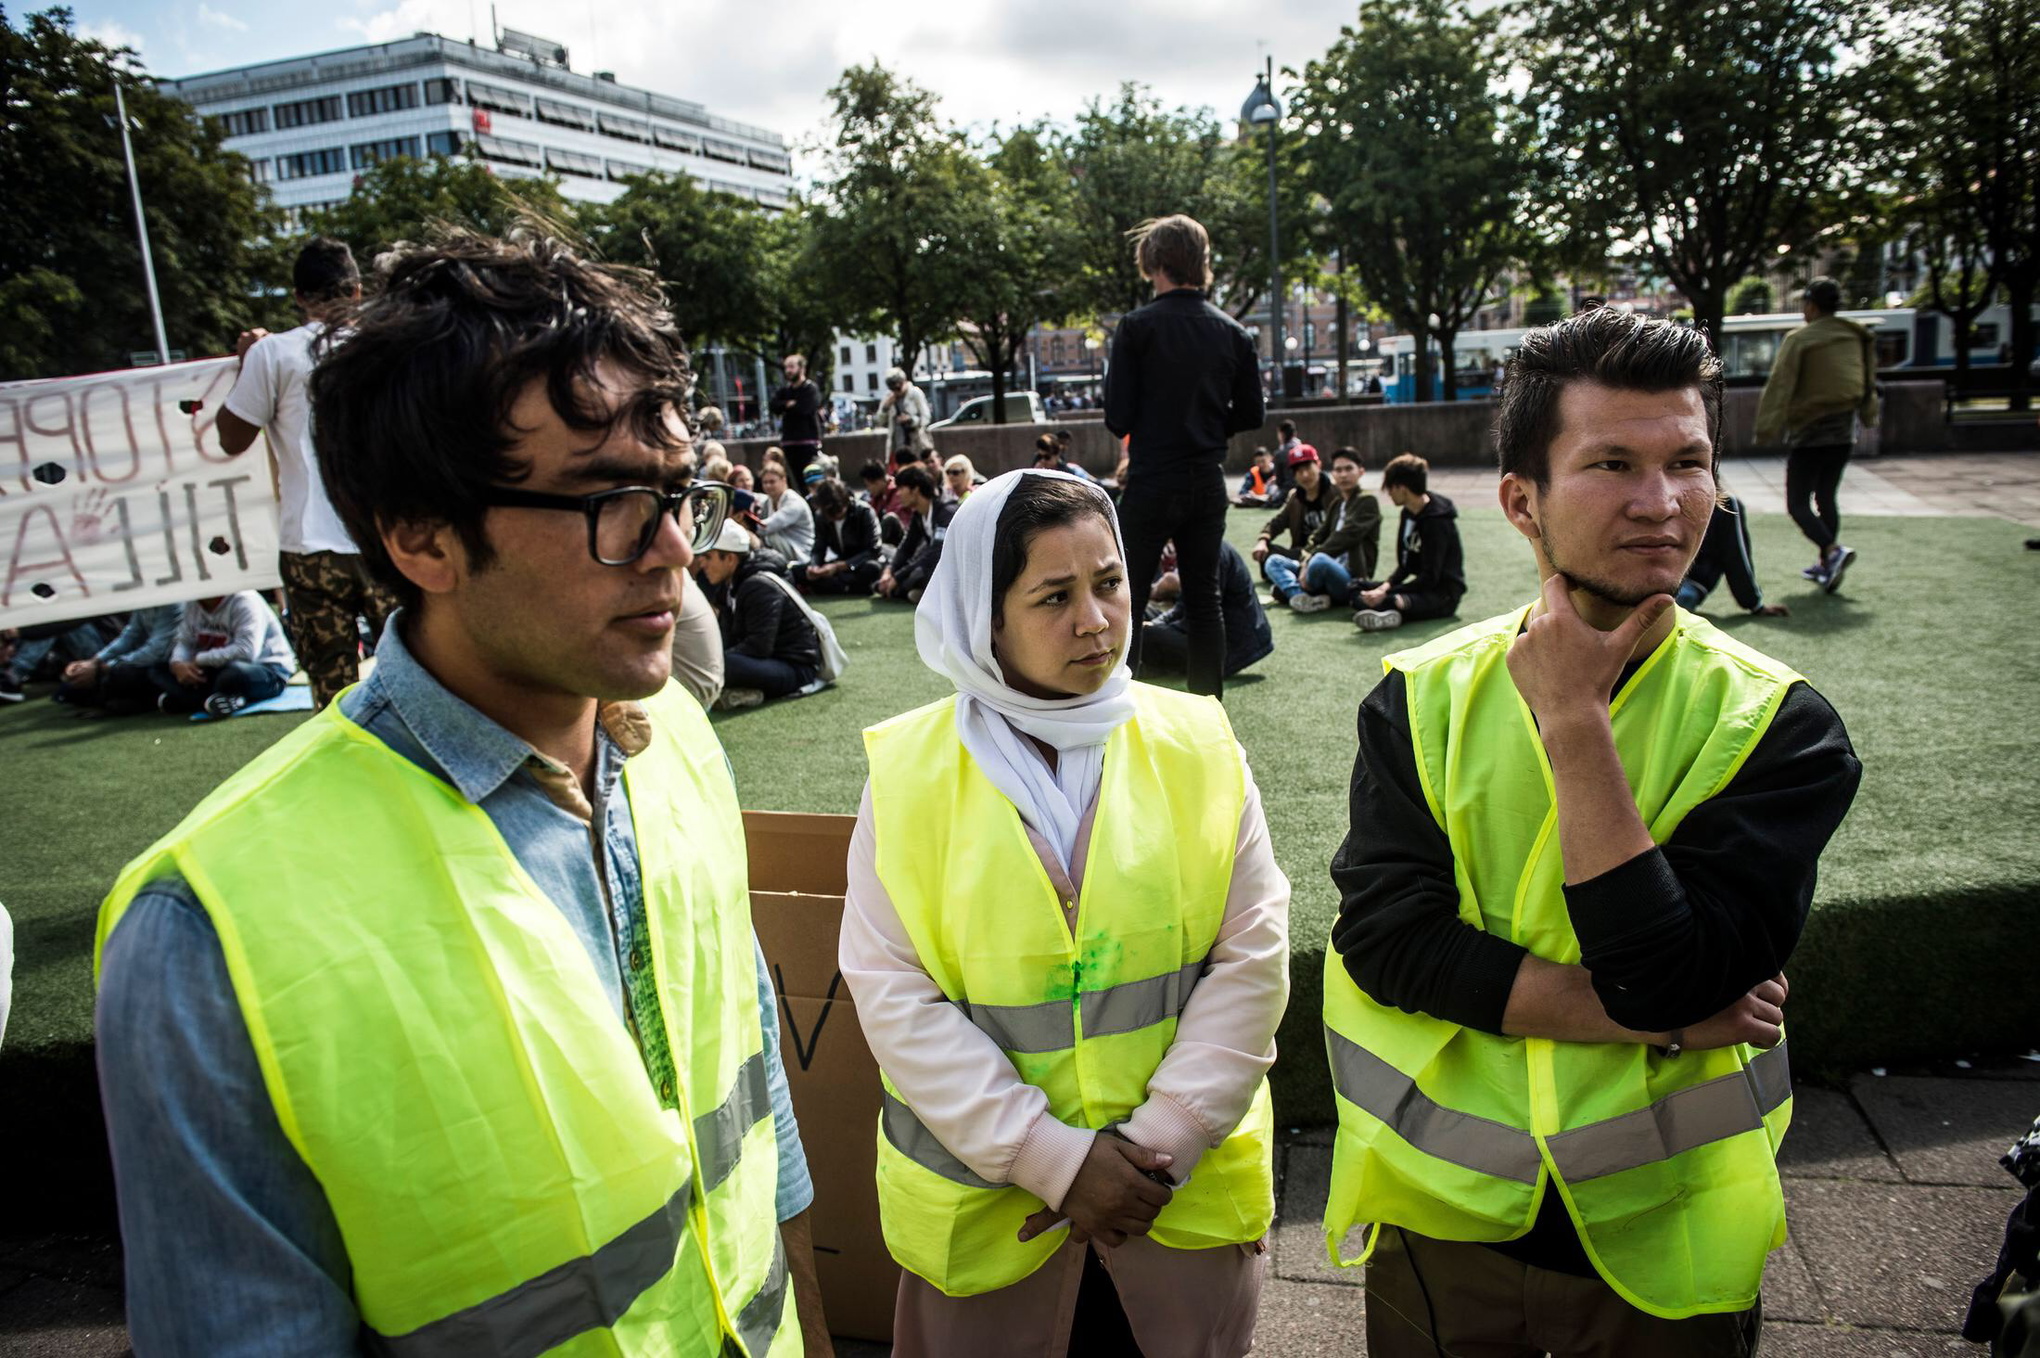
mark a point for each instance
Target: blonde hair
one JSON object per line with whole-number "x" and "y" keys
{"x": 776, "y": 454}
{"x": 716, "y": 468}
{"x": 1175, "y": 245}
{"x": 959, "y": 460}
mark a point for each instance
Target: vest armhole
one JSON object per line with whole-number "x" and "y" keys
{"x": 1757, "y": 734}
{"x": 1417, "y": 748}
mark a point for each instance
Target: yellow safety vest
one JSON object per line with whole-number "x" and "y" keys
{"x": 1666, "y": 1166}
{"x": 1086, "y": 1019}
{"x": 440, "y": 1050}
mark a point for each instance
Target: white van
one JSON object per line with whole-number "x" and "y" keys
{"x": 1022, "y": 407}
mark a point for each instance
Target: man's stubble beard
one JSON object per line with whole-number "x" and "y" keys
{"x": 1600, "y": 589}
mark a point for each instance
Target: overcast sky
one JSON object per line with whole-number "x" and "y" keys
{"x": 770, "y": 64}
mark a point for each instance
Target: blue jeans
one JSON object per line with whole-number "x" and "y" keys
{"x": 243, "y": 678}
{"x": 1328, "y": 575}
{"x": 1319, "y": 575}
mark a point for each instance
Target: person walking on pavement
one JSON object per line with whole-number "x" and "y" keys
{"x": 1067, "y": 938}
{"x": 326, "y": 588}
{"x": 441, "y": 1027}
{"x": 1183, "y": 378}
{"x": 1823, "y": 382}
{"x": 798, "y": 405}
{"x": 1583, "y": 840}
{"x": 904, "y": 411}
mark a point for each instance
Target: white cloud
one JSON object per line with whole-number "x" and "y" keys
{"x": 410, "y": 16}
{"x": 112, "y": 32}
{"x": 219, "y": 19}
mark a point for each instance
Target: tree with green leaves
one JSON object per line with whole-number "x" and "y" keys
{"x": 714, "y": 251}
{"x": 891, "y": 196}
{"x": 1966, "y": 137}
{"x": 1706, "y": 137}
{"x": 1432, "y": 191}
{"x": 72, "y": 294}
{"x": 1129, "y": 161}
{"x": 401, "y": 198}
{"x": 1236, "y": 201}
{"x": 1018, "y": 251}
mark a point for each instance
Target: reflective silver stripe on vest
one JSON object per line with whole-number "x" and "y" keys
{"x": 1140, "y": 1004}
{"x": 759, "y": 1320}
{"x": 911, "y": 1138}
{"x": 1725, "y": 1106}
{"x": 1032, "y": 1029}
{"x": 1476, "y": 1143}
{"x": 1026, "y": 1028}
{"x": 589, "y": 1293}
{"x": 719, "y": 1133}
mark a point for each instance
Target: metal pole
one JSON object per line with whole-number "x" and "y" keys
{"x": 127, "y": 150}
{"x": 1275, "y": 298}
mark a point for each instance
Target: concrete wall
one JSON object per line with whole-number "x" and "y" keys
{"x": 1455, "y": 435}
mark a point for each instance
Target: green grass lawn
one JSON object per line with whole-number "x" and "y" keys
{"x": 1918, "y": 945}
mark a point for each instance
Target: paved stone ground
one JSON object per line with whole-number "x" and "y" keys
{"x": 1896, "y": 1201}
{"x": 1968, "y": 485}
{"x": 1895, "y": 1197}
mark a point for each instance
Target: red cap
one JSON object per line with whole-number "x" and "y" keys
{"x": 1302, "y": 453}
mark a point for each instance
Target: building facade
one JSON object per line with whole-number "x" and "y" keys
{"x": 309, "y": 125}
{"x": 861, "y": 363}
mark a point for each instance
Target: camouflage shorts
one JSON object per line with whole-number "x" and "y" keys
{"x": 326, "y": 592}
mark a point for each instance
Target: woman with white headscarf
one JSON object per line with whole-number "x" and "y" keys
{"x": 1067, "y": 939}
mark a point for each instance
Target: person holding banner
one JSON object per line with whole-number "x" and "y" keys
{"x": 325, "y": 585}
{"x": 441, "y": 1026}
{"x": 1068, "y": 943}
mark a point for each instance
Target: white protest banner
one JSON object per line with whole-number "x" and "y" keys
{"x": 116, "y": 495}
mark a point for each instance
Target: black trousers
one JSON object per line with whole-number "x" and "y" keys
{"x": 1813, "y": 474}
{"x": 1189, "y": 507}
{"x": 855, "y": 580}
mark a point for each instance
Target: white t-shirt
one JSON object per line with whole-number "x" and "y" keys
{"x": 272, "y": 395}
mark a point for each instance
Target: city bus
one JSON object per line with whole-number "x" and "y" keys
{"x": 1907, "y": 339}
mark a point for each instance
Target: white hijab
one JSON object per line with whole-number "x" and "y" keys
{"x": 953, "y": 630}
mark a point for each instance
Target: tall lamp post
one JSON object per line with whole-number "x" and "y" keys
{"x": 1263, "y": 109}
{"x": 127, "y": 151}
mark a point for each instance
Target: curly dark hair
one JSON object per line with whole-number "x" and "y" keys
{"x": 1605, "y": 346}
{"x": 412, "y": 407}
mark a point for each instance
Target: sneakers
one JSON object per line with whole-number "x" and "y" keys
{"x": 1817, "y": 573}
{"x": 737, "y": 699}
{"x": 1310, "y": 603}
{"x": 1377, "y": 619}
{"x": 10, "y": 687}
{"x": 810, "y": 688}
{"x": 224, "y": 704}
{"x": 1837, "y": 562}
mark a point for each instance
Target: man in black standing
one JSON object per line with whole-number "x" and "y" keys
{"x": 1183, "y": 378}
{"x": 798, "y": 405}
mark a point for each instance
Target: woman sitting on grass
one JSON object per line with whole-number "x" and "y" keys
{"x": 1067, "y": 938}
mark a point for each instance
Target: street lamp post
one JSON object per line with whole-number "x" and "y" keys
{"x": 1263, "y": 109}
{"x": 127, "y": 151}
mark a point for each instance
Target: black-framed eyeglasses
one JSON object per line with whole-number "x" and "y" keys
{"x": 623, "y": 522}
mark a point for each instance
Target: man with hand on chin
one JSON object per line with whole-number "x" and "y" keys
{"x": 1583, "y": 843}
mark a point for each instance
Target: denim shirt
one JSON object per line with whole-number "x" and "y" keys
{"x": 231, "y": 1246}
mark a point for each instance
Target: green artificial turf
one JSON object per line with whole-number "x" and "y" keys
{"x": 1918, "y": 945}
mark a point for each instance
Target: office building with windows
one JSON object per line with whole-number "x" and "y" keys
{"x": 309, "y": 125}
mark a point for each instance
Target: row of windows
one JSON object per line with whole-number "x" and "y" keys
{"x": 308, "y": 164}
{"x": 870, "y": 353}
{"x": 307, "y": 112}
{"x": 445, "y": 90}
{"x": 388, "y": 99}
{"x": 368, "y": 153}
{"x": 870, "y": 380}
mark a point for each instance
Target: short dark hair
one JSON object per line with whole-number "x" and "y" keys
{"x": 1351, "y": 455}
{"x": 1175, "y": 245}
{"x": 1037, "y": 503}
{"x": 871, "y": 471}
{"x": 829, "y": 495}
{"x": 413, "y": 410}
{"x": 1409, "y": 471}
{"x": 1287, "y": 429}
{"x": 324, "y": 270}
{"x": 1628, "y": 353}
{"x": 1047, "y": 444}
{"x": 1825, "y": 295}
{"x": 915, "y": 477}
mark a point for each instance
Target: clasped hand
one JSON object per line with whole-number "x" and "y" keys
{"x": 1112, "y": 1196}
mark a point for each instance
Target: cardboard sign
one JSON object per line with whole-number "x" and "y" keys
{"x": 115, "y": 495}
{"x": 797, "y": 883}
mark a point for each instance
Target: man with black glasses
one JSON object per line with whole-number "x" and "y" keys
{"x": 441, "y": 1026}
